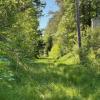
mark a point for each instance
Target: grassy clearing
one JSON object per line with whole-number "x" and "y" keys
{"x": 48, "y": 81}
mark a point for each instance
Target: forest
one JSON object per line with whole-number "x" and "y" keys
{"x": 59, "y": 62}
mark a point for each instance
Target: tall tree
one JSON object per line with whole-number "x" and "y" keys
{"x": 78, "y": 23}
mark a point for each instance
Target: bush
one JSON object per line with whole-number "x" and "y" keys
{"x": 55, "y": 51}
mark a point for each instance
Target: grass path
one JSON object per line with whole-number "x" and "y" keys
{"x": 50, "y": 81}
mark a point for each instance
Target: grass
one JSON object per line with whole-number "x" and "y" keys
{"x": 46, "y": 80}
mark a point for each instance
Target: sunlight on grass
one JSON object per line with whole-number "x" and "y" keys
{"x": 48, "y": 81}
{"x": 69, "y": 59}
{"x": 60, "y": 92}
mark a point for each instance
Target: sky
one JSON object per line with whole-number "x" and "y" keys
{"x": 50, "y": 6}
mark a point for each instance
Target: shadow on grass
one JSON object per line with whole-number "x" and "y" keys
{"x": 58, "y": 82}
{"x": 83, "y": 78}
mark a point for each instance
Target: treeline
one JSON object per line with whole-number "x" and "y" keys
{"x": 62, "y": 30}
{"x": 20, "y": 37}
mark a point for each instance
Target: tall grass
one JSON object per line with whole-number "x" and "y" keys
{"x": 47, "y": 81}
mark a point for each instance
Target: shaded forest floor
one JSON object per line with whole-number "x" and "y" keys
{"x": 48, "y": 79}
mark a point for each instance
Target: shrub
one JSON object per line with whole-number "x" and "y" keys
{"x": 56, "y": 51}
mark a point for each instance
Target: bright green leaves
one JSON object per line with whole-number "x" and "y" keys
{"x": 7, "y": 13}
{"x": 19, "y": 29}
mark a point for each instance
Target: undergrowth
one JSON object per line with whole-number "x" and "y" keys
{"x": 48, "y": 81}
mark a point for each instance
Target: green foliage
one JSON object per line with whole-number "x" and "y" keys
{"x": 47, "y": 81}
{"x": 64, "y": 27}
{"x": 55, "y": 51}
{"x": 64, "y": 32}
{"x": 52, "y": 26}
{"x": 90, "y": 41}
{"x": 70, "y": 58}
{"x": 59, "y": 77}
{"x": 19, "y": 31}
{"x": 48, "y": 41}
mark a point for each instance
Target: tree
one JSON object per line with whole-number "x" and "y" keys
{"x": 19, "y": 27}
{"x": 78, "y": 23}
{"x": 62, "y": 26}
